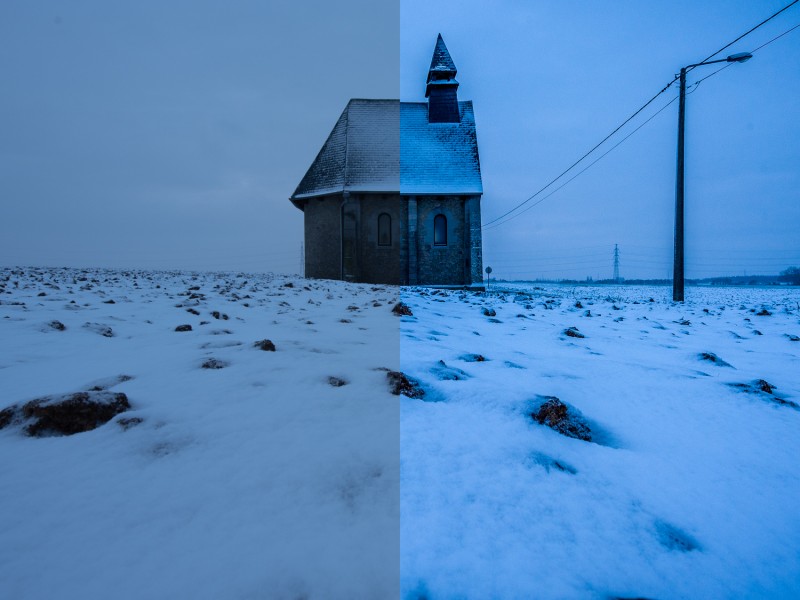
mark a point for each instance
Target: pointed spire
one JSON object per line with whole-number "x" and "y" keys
{"x": 441, "y": 88}
{"x": 441, "y": 63}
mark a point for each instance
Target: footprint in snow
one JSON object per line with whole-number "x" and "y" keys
{"x": 714, "y": 359}
{"x": 444, "y": 373}
{"x": 220, "y": 344}
{"x": 99, "y": 328}
{"x": 107, "y": 383}
{"x": 128, "y": 422}
{"x": 673, "y": 538}
{"x": 214, "y": 363}
{"x": 549, "y": 463}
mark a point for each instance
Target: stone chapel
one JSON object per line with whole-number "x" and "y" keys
{"x": 394, "y": 195}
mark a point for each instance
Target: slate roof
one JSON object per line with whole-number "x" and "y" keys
{"x": 438, "y": 158}
{"x": 362, "y": 153}
{"x": 387, "y": 146}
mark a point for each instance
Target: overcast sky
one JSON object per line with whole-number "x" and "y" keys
{"x": 549, "y": 80}
{"x": 170, "y": 135}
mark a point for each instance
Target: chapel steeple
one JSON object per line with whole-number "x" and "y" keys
{"x": 441, "y": 88}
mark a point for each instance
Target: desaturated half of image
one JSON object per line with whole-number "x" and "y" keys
{"x": 183, "y": 413}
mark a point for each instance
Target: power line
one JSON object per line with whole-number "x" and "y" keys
{"x": 573, "y": 165}
{"x": 746, "y": 33}
{"x": 777, "y": 37}
{"x": 495, "y": 223}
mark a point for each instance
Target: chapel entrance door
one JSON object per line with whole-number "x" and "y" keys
{"x": 350, "y": 242}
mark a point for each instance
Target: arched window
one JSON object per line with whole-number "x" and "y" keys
{"x": 440, "y": 230}
{"x": 384, "y": 230}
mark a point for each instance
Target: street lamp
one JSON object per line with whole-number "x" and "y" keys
{"x": 677, "y": 279}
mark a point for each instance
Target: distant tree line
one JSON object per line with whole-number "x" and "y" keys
{"x": 790, "y": 275}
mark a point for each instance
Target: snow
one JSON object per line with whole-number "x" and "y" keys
{"x": 268, "y": 479}
{"x": 258, "y": 480}
{"x": 690, "y": 489}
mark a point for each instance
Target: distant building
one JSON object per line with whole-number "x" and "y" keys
{"x": 394, "y": 194}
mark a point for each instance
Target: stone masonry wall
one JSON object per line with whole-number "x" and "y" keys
{"x": 411, "y": 258}
{"x": 379, "y": 264}
{"x": 441, "y": 265}
{"x": 323, "y": 244}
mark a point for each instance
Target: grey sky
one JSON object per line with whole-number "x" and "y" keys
{"x": 170, "y": 135}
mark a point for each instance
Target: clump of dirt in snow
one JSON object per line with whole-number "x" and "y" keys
{"x": 183, "y": 328}
{"x": 400, "y": 383}
{"x": 265, "y": 345}
{"x": 573, "y": 333}
{"x": 559, "y": 417}
{"x": 66, "y": 414}
{"x": 764, "y": 390}
{"x": 214, "y": 363}
{"x": 402, "y": 310}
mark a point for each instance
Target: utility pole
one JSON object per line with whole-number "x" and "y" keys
{"x": 616, "y": 263}
{"x": 677, "y": 276}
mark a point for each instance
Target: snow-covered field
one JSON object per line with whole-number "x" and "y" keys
{"x": 689, "y": 489}
{"x": 262, "y": 479}
{"x": 297, "y": 474}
